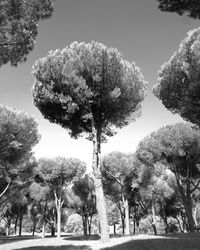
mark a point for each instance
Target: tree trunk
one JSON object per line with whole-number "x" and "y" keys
{"x": 114, "y": 228}
{"x": 127, "y": 224}
{"x": 58, "y": 209}
{"x": 100, "y": 199}
{"x": 20, "y": 225}
{"x": 34, "y": 226}
{"x": 7, "y": 230}
{"x": 43, "y": 229}
{"x": 179, "y": 224}
{"x": 123, "y": 225}
{"x": 52, "y": 230}
{"x": 153, "y": 221}
{"x": 187, "y": 203}
{"x": 85, "y": 230}
{"x": 16, "y": 221}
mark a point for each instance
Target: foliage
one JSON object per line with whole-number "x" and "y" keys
{"x": 19, "y": 27}
{"x": 189, "y": 7}
{"x": 177, "y": 146}
{"x": 84, "y": 82}
{"x": 178, "y": 84}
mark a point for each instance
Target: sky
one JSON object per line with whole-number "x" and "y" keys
{"x": 137, "y": 28}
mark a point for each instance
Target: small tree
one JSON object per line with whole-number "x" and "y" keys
{"x": 189, "y": 7}
{"x": 81, "y": 198}
{"x": 89, "y": 88}
{"x": 19, "y": 27}
{"x": 178, "y": 147}
{"x": 178, "y": 84}
{"x": 117, "y": 169}
{"x": 59, "y": 173}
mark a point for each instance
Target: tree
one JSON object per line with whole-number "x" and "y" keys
{"x": 89, "y": 88}
{"x": 19, "y": 27}
{"x": 58, "y": 173}
{"x": 118, "y": 170}
{"x": 178, "y": 147}
{"x": 189, "y": 7}
{"x": 18, "y": 135}
{"x": 41, "y": 198}
{"x": 178, "y": 84}
{"x": 82, "y": 199}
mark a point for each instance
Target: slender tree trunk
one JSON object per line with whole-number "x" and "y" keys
{"x": 34, "y": 226}
{"x": 20, "y": 224}
{"x": 134, "y": 226}
{"x": 52, "y": 230}
{"x": 7, "y": 230}
{"x": 153, "y": 222}
{"x": 114, "y": 228}
{"x": 58, "y": 209}
{"x": 43, "y": 229}
{"x": 100, "y": 199}
{"x": 16, "y": 221}
{"x": 123, "y": 225}
{"x": 127, "y": 224}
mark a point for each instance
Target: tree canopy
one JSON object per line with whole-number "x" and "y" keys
{"x": 189, "y": 7}
{"x": 88, "y": 81}
{"x": 177, "y": 146}
{"x": 18, "y": 135}
{"x": 178, "y": 84}
{"x": 19, "y": 27}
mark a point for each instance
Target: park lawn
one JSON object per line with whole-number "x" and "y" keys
{"x": 139, "y": 242}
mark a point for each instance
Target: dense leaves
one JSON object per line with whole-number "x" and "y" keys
{"x": 19, "y": 27}
{"x": 189, "y": 7}
{"x": 178, "y": 84}
{"x": 88, "y": 81}
{"x": 177, "y": 146}
{"x": 18, "y": 135}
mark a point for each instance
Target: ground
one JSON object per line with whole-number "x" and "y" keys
{"x": 139, "y": 242}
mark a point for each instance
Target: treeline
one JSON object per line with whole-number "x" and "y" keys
{"x": 153, "y": 190}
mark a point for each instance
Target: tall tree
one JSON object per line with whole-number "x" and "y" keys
{"x": 18, "y": 135}
{"x": 178, "y": 84}
{"x": 189, "y": 7}
{"x": 89, "y": 88}
{"x": 58, "y": 173}
{"x": 19, "y": 27}
{"x": 178, "y": 147}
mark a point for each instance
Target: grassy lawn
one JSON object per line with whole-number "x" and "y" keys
{"x": 140, "y": 242}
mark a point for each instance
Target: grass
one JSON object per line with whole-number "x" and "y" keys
{"x": 140, "y": 242}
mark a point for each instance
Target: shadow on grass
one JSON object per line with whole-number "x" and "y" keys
{"x": 70, "y": 247}
{"x": 172, "y": 242}
{"x": 9, "y": 239}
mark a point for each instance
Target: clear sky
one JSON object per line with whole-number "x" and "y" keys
{"x": 136, "y": 28}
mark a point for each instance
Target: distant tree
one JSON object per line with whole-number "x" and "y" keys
{"x": 81, "y": 198}
{"x": 178, "y": 147}
{"x": 113, "y": 214}
{"x": 18, "y": 135}
{"x": 19, "y": 27}
{"x": 89, "y": 88}
{"x": 189, "y": 7}
{"x": 178, "y": 84}
{"x": 117, "y": 168}
{"x": 41, "y": 199}
{"x": 58, "y": 173}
